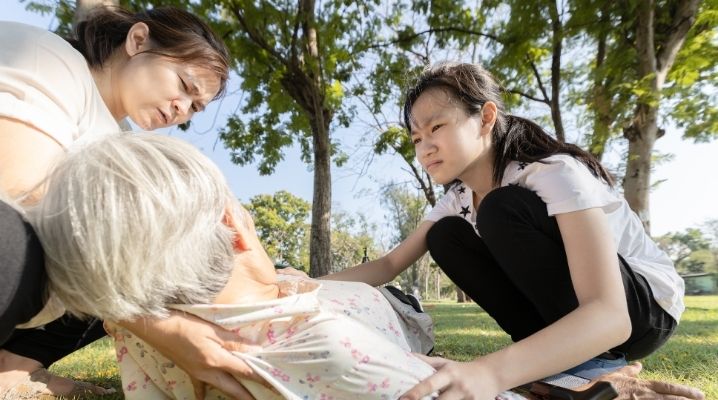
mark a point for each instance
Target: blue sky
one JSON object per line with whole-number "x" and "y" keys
{"x": 688, "y": 197}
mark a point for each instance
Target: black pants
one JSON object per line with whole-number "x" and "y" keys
{"x": 518, "y": 273}
{"x": 23, "y": 283}
{"x": 22, "y": 272}
{"x": 55, "y": 340}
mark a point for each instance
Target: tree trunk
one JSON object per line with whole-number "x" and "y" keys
{"x": 654, "y": 61}
{"x": 320, "y": 261}
{"x": 600, "y": 100}
{"x": 427, "y": 275}
{"x": 557, "y": 43}
{"x": 641, "y": 137}
{"x": 312, "y": 100}
{"x": 460, "y": 295}
{"x": 438, "y": 284}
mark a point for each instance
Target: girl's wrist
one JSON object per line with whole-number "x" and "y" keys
{"x": 490, "y": 375}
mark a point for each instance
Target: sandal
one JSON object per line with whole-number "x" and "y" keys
{"x": 35, "y": 387}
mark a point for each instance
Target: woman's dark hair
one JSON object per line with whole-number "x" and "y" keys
{"x": 173, "y": 33}
{"x": 514, "y": 138}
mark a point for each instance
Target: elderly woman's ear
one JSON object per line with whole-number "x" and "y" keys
{"x": 240, "y": 221}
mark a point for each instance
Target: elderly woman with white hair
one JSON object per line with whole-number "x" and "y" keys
{"x": 136, "y": 225}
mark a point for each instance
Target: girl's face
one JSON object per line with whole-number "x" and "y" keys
{"x": 156, "y": 91}
{"x": 449, "y": 143}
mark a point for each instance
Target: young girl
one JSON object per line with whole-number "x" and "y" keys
{"x": 157, "y": 67}
{"x": 533, "y": 231}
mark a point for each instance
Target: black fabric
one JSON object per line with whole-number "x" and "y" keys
{"x": 22, "y": 272}
{"x": 518, "y": 273}
{"x": 55, "y": 340}
{"x": 407, "y": 299}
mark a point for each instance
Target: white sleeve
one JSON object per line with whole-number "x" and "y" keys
{"x": 43, "y": 81}
{"x": 445, "y": 207}
{"x": 566, "y": 184}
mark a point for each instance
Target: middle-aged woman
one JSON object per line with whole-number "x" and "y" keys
{"x": 156, "y": 67}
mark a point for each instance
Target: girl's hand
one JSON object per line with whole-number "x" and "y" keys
{"x": 455, "y": 380}
{"x": 630, "y": 387}
{"x": 292, "y": 271}
{"x": 201, "y": 350}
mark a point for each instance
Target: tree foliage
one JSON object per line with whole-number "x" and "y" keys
{"x": 690, "y": 250}
{"x": 352, "y": 235}
{"x": 282, "y": 225}
{"x": 405, "y": 212}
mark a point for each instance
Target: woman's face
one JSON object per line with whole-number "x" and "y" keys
{"x": 156, "y": 91}
{"x": 448, "y": 142}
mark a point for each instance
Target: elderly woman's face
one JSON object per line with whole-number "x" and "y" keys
{"x": 156, "y": 91}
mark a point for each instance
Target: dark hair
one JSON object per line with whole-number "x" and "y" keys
{"x": 174, "y": 33}
{"x": 514, "y": 138}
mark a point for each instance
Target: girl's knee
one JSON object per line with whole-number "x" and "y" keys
{"x": 505, "y": 204}
{"x": 444, "y": 229}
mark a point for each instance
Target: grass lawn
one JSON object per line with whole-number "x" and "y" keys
{"x": 464, "y": 331}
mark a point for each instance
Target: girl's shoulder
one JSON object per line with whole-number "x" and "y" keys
{"x": 561, "y": 166}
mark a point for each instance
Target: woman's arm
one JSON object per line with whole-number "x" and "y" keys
{"x": 200, "y": 348}
{"x": 386, "y": 268}
{"x": 26, "y": 157}
{"x": 600, "y": 322}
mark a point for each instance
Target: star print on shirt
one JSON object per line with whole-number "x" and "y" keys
{"x": 464, "y": 211}
{"x": 462, "y": 189}
{"x": 522, "y": 165}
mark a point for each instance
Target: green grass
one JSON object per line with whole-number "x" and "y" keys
{"x": 464, "y": 331}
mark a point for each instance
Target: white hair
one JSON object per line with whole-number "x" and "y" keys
{"x": 134, "y": 222}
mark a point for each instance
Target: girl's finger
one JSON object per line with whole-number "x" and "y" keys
{"x": 436, "y": 362}
{"x": 434, "y": 383}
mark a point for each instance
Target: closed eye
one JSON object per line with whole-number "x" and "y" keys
{"x": 185, "y": 87}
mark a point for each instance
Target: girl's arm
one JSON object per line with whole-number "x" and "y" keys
{"x": 26, "y": 157}
{"x": 600, "y": 322}
{"x": 386, "y": 268}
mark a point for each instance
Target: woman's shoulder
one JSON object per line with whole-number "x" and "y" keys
{"x": 23, "y": 43}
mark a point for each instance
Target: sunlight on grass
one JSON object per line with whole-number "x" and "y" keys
{"x": 464, "y": 332}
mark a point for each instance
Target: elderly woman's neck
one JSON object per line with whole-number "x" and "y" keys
{"x": 253, "y": 279}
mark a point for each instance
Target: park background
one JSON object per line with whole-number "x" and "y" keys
{"x": 375, "y": 197}
{"x": 261, "y": 137}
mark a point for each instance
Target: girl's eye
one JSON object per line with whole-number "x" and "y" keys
{"x": 415, "y": 141}
{"x": 436, "y": 127}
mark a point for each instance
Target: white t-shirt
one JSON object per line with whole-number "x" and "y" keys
{"x": 565, "y": 185}
{"x": 46, "y": 83}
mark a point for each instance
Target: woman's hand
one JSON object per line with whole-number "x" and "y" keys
{"x": 201, "y": 349}
{"x": 455, "y": 380}
{"x": 630, "y": 387}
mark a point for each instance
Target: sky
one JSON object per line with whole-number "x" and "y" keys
{"x": 687, "y": 197}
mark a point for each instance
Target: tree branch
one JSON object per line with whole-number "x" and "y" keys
{"x": 526, "y": 95}
{"x": 255, "y": 37}
{"x": 434, "y": 30}
{"x": 683, "y": 19}
{"x": 538, "y": 79}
